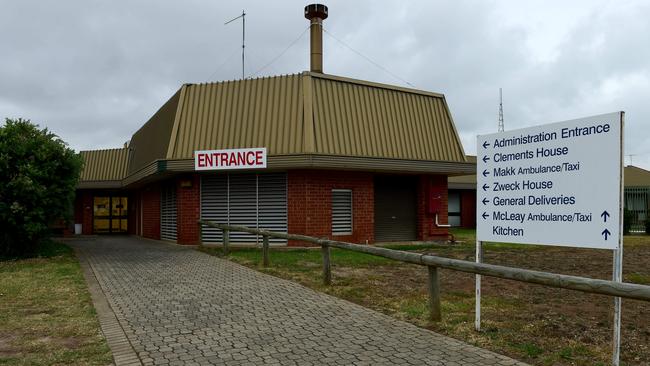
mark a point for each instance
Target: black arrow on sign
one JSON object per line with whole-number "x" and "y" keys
{"x": 486, "y": 173}
{"x": 485, "y": 158}
{"x": 485, "y": 200}
{"x": 485, "y": 216}
{"x": 604, "y": 215}
{"x": 485, "y": 187}
{"x": 486, "y": 144}
{"x": 606, "y": 233}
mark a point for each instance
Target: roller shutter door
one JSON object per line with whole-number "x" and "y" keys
{"x": 253, "y": 200}
{"x": 168, "y": 212}
{"x": 214, "y": 205}
{"x": 242, "y": 206}
{"x": 272, "y": 203}
{"x": 395, "y": 209}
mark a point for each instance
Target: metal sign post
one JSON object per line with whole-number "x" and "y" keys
{"x": 531, "y": 190}
{"x": 617, "y": 270}
{"x": 479, "y": 259}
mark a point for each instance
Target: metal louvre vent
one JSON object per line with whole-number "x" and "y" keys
{"x": 341, "y": 212}
{"x": 253, "y": 200}
{"x": 242, "y": 204}
{"x": 168, "y": 212}
{"x": 214, "y": 205}
{"x": 272, "y": 203}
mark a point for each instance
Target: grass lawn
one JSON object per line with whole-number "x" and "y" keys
{"x": 535, "y": 324}
{"x": 46, "y": 313}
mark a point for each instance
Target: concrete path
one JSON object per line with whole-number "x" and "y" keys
{"x": 178, "y": 306}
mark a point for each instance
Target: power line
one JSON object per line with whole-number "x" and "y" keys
{"x": 222, "y": 64}
{"x": 281, "y": 53}
{"x": 368, "y": 59}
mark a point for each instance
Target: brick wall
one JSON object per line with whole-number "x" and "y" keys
{"x": 188, "y": 208}
{"x": 133, "y": 213}
{"x": 151, "y": 211}
{"x": 310, "y": 203}
{"x": 432, "y": 187}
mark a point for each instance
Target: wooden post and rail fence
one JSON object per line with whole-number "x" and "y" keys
{"x": 589, "y": 285}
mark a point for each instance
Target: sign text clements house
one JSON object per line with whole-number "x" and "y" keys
{"x": 254, "y": 158}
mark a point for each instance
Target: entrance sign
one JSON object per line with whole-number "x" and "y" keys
{"x": 254, "y": 158}
{"x": 555, "y": 184}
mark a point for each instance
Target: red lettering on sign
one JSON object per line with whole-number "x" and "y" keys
{"x": 229, "y": 159}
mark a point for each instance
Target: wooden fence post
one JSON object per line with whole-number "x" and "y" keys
{"x": 226, "y": 241}
{"x": 265, "y": 250}
{"x": 434, "y": 294}
{"x": 327, "y": 269}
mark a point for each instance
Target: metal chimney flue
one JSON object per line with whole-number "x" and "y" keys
{"x": 316, "y": 13}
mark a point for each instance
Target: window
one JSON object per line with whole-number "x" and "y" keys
{"x": 453, "y": 209}
{"x": 341, "y": 211}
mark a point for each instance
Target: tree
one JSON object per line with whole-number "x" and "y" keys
{"x": 38, "y": 175}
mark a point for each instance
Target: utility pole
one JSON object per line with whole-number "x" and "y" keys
{"x": 501, "y": 126}
{"x": 243, "y": 39}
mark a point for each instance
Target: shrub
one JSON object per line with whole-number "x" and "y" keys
{"x": 38, "y": 175}
{"x": 647, "y": 226}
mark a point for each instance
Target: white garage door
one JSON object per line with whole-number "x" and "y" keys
{"x": 253, "y": 200}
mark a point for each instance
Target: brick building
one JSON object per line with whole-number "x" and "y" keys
{"x": 346, "y": 159}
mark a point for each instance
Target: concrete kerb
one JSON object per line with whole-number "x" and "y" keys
{"x": 121, "y": 348}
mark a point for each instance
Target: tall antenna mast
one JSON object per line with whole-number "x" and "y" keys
{"x": 501, "y": 126}
{"x": 631, "y": 156}
{"x": 243, "y": 38}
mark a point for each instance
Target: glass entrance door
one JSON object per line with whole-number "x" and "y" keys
{"x": 110, "y": 214}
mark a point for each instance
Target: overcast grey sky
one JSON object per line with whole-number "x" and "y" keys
{"x": 94, "y": 71}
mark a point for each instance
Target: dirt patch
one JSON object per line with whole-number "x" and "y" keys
{"x": 6, "y": 347}
{"x": 67, "y": 342}
{"x": 532, "y": 323}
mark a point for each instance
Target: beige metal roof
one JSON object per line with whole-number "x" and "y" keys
{"x": 355, "y": 118}
{"x": 151, "y": 141}
{"x": 265, "y": 112}
{"x": 104, "y": 165}
{"x": 307, "y": 114}
{"x": 636, "y": 177}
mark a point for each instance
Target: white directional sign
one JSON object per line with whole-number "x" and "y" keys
{"x": 556, "y": 184}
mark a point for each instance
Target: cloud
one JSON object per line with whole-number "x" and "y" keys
{"x": 94, "y": 71}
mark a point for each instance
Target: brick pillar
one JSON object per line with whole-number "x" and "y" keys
{"x": 432, "y": 187}
{"x": 151, "y": 211}
{"x": 132, "y": 218}
{"x": 86, "y": 212}
{"x": 188, "y": 208}
{"x": 297, "y": 217}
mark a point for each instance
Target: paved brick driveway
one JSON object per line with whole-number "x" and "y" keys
{"x": 179, "y": 306}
